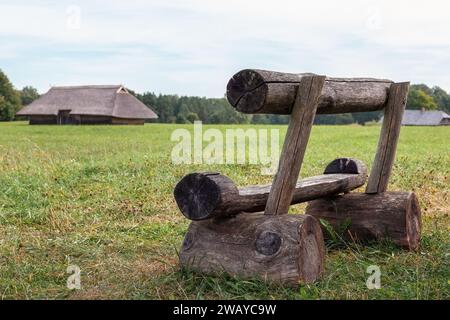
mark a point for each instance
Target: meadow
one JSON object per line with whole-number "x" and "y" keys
{"x": 100, "y": 197}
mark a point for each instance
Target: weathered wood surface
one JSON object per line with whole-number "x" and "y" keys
{"x": 387, "y": 143}
{"x": 287, "y": 248}
{"x": 211, "y": 195}
{"x": 261, "y": 91}
{"x": 294, "y": 147}
{"x": 389, "y": 215}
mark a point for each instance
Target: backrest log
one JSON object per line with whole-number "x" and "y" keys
{"x": 261, "y": 91}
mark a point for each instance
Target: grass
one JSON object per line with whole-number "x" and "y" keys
{"x": 100, "y": 197}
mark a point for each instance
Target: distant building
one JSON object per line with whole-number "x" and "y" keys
{"x": 87, "y": 105}
{"x": 425, "y": 118}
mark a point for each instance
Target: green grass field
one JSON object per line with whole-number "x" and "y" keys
{"x": 100, "y": 197}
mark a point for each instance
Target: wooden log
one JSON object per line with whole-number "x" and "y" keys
{"x": 261, "y": 91}
{"x": 389, "y": 215}
{"x": 387, "y": 143}
{"x": 294, "y": 146}
{"x": 287, "y": 248}
{"x": 210, "y": 195}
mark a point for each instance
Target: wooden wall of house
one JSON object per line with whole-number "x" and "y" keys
{"x": 127, "y": 121}
{"x": 85, "y": 119}
{"x": 43, "y": 119}
{"x": 445, "y": 122}
{"x": 88, "y": 119}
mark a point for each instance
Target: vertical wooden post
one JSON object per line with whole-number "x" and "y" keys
{"x": 300, "y": 123}
{"x": 387, "y": 143}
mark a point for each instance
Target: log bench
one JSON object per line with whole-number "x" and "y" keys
{"x": 230, "y": 234}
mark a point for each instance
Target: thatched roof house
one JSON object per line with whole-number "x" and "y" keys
{"x": 87, "y": 105}
{"x": 425, "y": 118}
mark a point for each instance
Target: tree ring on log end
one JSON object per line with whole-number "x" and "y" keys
{"x": 413, "y": 222}
{"x": 197, "y": 195}
{"x": 344, "y": 165}
{"x": 247, "y": 88}
{"x": 268, "y": 243}
{"x": 312, "y": 253}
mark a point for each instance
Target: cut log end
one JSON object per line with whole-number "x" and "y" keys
{"x": 413, "y": 222}
{"x": 313, "y": 251}
{"x": 286, "y": 248}
{"x": 346, "y": 165}
{"x": 241, "y": 84}
{"x": 198, "y": 194}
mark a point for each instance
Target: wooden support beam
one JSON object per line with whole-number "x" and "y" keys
{"x": 390, "y": 215}
{"x": 294, "y": 147}
{"x": 287, "y": 249}
{"x": 262, "y": 91}
{"x": 387, "y": 143}
{"x": 212, "y": 195}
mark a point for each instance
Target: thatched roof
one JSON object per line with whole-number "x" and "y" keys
{"x": 114, "y": 101}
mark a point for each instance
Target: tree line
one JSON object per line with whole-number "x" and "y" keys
{"x": 12, "y": 100}
{"x": 183, "y": 109}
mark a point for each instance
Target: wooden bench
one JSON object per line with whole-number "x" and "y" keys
{"x": 229, "y": 234}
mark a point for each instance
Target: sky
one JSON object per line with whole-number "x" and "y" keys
{"x": 193, "y": 47}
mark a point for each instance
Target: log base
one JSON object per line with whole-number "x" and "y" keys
{"x": 285, "y": 248}
{"x": 390, "y": 215}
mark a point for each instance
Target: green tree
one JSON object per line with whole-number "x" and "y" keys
{"x": 28, "y": 94}
{"x": 192, "y": 116}
{"x": 363, "y": 117}
{"x": 9, "y": 99}
{"x": 181, "y": 119}
{"x": 173, "y": 108}
{"x": 261, "y": 119}
{"x": 418, "y": 98}
{"x": 442, "y": 99}
{"x": 345, "y": 118}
